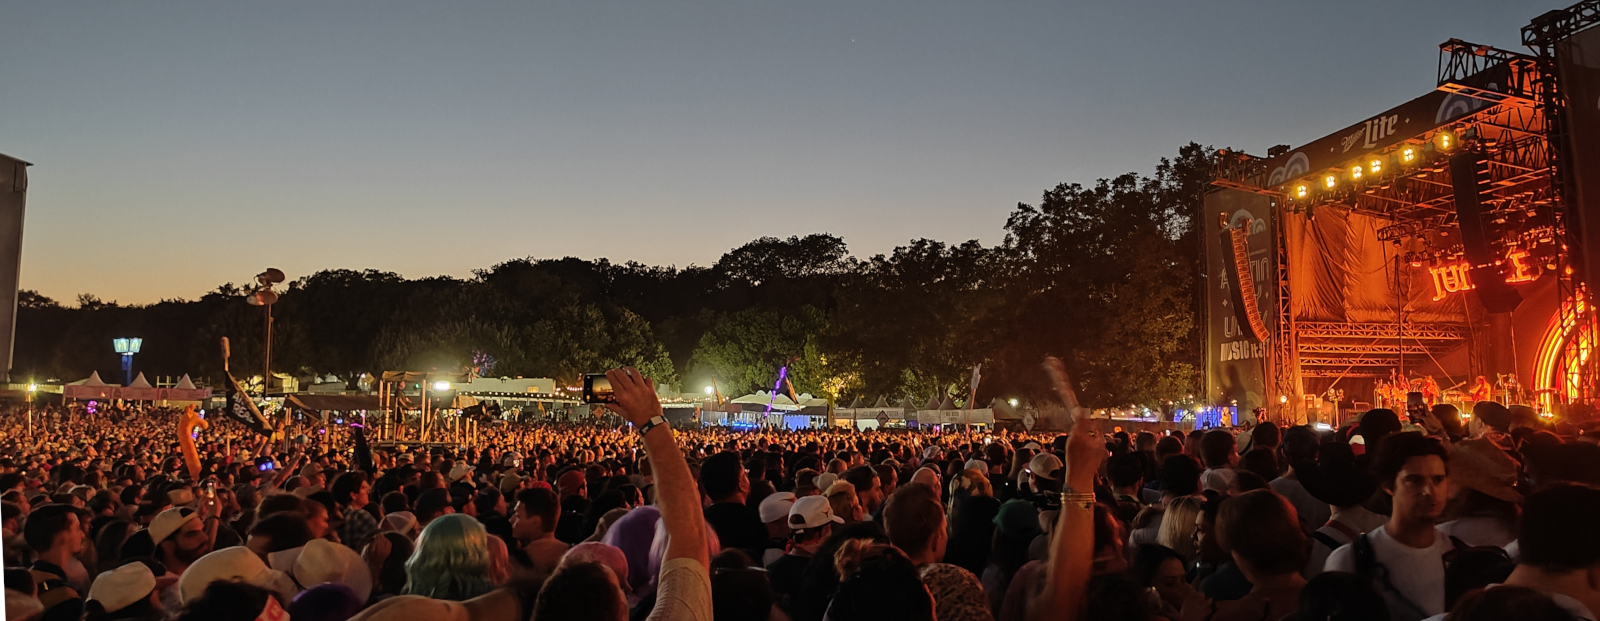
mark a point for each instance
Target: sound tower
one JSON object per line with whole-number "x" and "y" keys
{"x": 1469, "y": 177}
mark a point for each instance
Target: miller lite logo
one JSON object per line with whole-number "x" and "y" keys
{"x": 1371, "y": 132}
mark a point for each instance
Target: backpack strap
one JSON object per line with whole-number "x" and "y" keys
{"x": 1326, "y": 539}
{"x": 1366, "y": 558}
{"x": 1343, "y": 528}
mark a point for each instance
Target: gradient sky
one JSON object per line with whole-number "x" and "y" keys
{"x": 178, "y": 146}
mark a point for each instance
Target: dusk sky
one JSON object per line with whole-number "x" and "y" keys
{"x": 179, "y": 146}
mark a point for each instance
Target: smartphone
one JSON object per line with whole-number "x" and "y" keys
{"x": 597, "y": 389}
{"x": 210, "y": 489}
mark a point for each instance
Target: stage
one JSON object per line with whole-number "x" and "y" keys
{"x": 1434, "y": 247}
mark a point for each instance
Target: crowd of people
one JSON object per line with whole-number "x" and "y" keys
{"x": 114, "y": 514}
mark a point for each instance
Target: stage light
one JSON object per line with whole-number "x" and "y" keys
{"x": 441, "y": 385}
{"x": 1330, "y": 181}
{"x": 1445, "y": 141}
{"x": 1355, "y": 173}
{"x": 710, "y": 390}
{"x": 1374, "y": 166}
{"x": 1408, "y": 155}
{"x": 1013, "y": 402}
{"x": 1301, "y": 191}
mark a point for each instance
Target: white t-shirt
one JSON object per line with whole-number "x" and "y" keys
{"x": 1418, "y": 574}
{"x": 1223, "y": 480}
{"x": 1480, "y": 531}
{"x": 1357, "y": 518}
{"x": 1313, "y": 513}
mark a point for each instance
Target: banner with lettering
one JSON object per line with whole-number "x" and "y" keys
{"x": 1236, "y": 353}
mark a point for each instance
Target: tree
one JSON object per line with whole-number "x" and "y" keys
{"x": 745, "y": 350}
{"x": 915, "y": 321}
{"x": 1108, "y": 275}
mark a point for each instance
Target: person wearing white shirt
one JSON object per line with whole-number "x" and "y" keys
{"x": 1216, "y": 448}
{"x": 1300, "y": 447}
{"x": 1407, "y": 552}
{"x": 1561, "y": 548}
{"x": 1341, "y": 483}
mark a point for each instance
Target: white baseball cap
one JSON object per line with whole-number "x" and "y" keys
{"x": 123, "y": 587}
{"x": 230, "y": 563}
{"x": 324, "y": 561}
{"x": 170, "y": 521}
{"x": 776, "y": 506}
{"x": 1044, "y": 466}
{"x": 811, "y": 512}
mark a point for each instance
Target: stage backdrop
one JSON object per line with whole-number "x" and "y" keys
{"x": 13, "y": 197}
{"x": 1235, "y": 370}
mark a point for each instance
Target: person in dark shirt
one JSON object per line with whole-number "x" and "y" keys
{"x": 55, "y": 533}
{"x": 811, "y": 521}
{"x": 723, "y": 479}
{"x": 492, "y": 510}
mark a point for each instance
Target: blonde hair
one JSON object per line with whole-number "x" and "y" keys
{"x": 842, "y": 497}
{"x": 1178, "y": 525}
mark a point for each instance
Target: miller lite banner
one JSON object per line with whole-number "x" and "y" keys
{"x": 1403, "y": 122}
{"x": 1241, "y": 300}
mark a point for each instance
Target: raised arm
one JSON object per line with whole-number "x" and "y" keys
{"x": 676, "y": 493}
{"x": 1071, "y": 561}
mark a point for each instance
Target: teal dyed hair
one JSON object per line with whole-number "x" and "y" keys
{"x": 451, "y": 561}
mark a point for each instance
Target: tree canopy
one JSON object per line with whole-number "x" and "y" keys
{"x": 1102, "y": 275}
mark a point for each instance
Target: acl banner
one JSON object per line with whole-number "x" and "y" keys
{"x": 1240, "y": 283}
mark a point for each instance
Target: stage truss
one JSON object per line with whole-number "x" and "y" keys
{"x": 1517, "y": 131}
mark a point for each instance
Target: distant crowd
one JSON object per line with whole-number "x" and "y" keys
{"x": 108, "y": 515}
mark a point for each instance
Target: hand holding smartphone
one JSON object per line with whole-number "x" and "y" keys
{"x": 597, "y": 389}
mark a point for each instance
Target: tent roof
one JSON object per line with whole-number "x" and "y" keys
{"x": 933, "y": 402}
{"x": 857, "y": 403}
{"x": 185, "y": 383}
{"x": 883, "y": 402}
{"x": 335, "y": 402}
{"x": 140, "y": 382}
{"x": 947, "y": 404}
{"x": 92, "y": 380}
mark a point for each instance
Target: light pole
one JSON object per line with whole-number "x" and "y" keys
{"x": 263, "y": 295}
{"x": 32, "y": 388}
{"x": 127, "y": 347}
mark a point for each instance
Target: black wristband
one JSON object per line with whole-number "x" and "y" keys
{"x": 651, "y": 424}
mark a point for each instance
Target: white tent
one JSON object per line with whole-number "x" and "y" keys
{"x": 88, "y": 388}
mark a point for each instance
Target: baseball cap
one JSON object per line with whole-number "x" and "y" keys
{"x": 826, "y": 480}
{"x": 775, "y": 506}
{"x": 811, "y": 512}
{"x": 168, "y": 522}
{"x": 976, "y": 464}
{"x": 230, "y": 563}
{"x": 322, "y": 561}
{"x": 123, "y": 586}
{"x": 571, "y": 479}
{"x": 1045, "y": 466}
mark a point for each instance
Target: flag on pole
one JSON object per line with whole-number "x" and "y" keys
{"x": 239, "y": 407}
{"x": 242, "y": 409}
